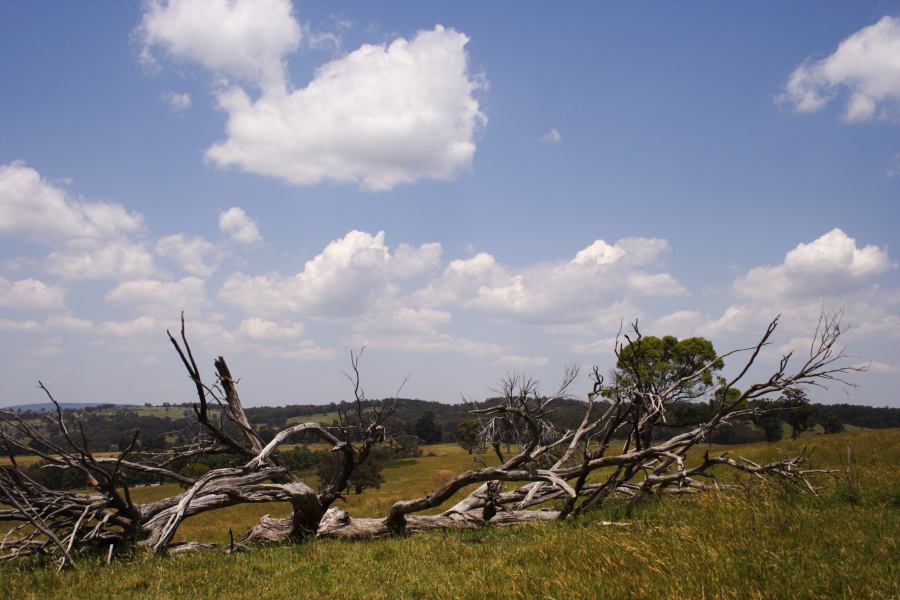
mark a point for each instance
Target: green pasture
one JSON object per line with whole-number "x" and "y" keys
{"x": 758, "y": 541}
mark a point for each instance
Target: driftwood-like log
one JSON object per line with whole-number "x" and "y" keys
{"x": 551, "y": 474}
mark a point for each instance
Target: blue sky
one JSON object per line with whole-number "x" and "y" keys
{"x": 465, "y": 189}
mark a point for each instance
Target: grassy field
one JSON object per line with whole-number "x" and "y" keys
{"x": 759, "y": 542}
{"x": 327, "y": 417}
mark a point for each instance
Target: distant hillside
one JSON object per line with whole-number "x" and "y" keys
{"x": 48, "y": 406}
{"x": 109, "y": 427}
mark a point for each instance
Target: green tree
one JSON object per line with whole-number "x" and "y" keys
{"x": 466, "y": 434}
{"x": 657, "y": 363}
{"x": 301, "y": 457}
{"x": 650, "y": 366}
{"x": 769, "y": 421}
{"x": 799, "y": 412}
{"x": 365, "y": 475}
{"x": 405, "y": 446}
{"x": 427, "y": 429}
{"x": 829, "y": 421}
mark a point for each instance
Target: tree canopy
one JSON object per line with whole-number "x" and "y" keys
{"x": 660, "y": 363}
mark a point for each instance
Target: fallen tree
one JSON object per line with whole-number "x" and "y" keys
{"x": 541, "y": 473}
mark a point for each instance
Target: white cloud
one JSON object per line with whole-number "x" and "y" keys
{"x": 48, "y": 347}
{"x": 8, "y": 325}
{"x": 603, "y": 346}
{"x": 680, "y": 323}
{"x": 160, "y": 298}
{"x": 260, "y": 330}
{"x": 305, "y": 350}
{"x": 831, "y": 272}
{"x": 194, "y": 255}
{"x": 94, "y": 235}
{"x": 30, "y": 295}
{"x": 438, "y": 342}
{"x": 347, "y": 277}
{"x": 866, "y": 64}
{"x": 118, "y": 259}
{"x": 894, "y": 166}
{"x": 555, "y": 293}
{"x": 66, "y": 322}
{"x": 379, "y": 116}
{"x": 831, "y": 264}
{"x": 321, "y": 39}
{"x": 876, "y": 366}
{"x": 521, "y": 361}
{"x": 31, "y": 206}
{"x": 137, "y": 327}
{"x": 552, "y": 137}
{"x": 394, "y": 318}
{"x": 235, "y": 223}
{"x": 281, "y": 340}
{"x": 246, "y": 39}
{"x": 177, "y": 102}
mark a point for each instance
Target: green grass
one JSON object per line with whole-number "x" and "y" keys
{"x": 25, "y": 461}
{"x": 327, "y": 417}
{"x": 758, "y": 542}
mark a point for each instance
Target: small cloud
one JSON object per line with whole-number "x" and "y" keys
{"x": 877, "y": 367}
{"x": 515, "y": 360}
{"x": 602, "y": 346}
{"x": 894, "y": 166}
{"x": 864, "y": 67}
{"x": 326, "y": 39}
{"x": 552, "y": 137}
{"x": 235, "y": 223}
{"x": 177, "y": 102}
{"x": 49, "y": 347}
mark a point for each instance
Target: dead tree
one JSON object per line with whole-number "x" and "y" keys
{"x": 547, "y": 477}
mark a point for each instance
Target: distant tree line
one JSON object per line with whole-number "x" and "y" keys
{"x": 110, "y": 428}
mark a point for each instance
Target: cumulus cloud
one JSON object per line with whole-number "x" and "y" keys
{"x": 140, "y": 326}
{"x": 11, "y": 326}
{"x": 522, "y": 361}
{"x": 30, "y": 295}
{"x": 96, "y": 237}
{"x": 879, "y": 367}
{"x": 284, "y": 340}
{"x": 33, "y": 207}
{"x": 829, "y": 265}
{"x": 346, "y": 277}
{"x": 162, "y": 298}
{"x": 392, "y": 317}
{"x": 117, "y": 259}
{"x": 246, "y": 39}
{"x": 833, "y": 272}
{"x": 177, "y": 102}
{"x": 48, "y": 347}
{"x": 235, "y": 223}
{"x": 554, "y": 293}
{"x": 438, "y": 343}
{"x": 67, "y": 322}
{"x": 194, "y": 255}
{"x": 603, "y": 346}
{"x": 680, "y": 323}
{"x": 379, "y": 116}
{"x": 261, "y": 330}
{"x": 866, "y": 65}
